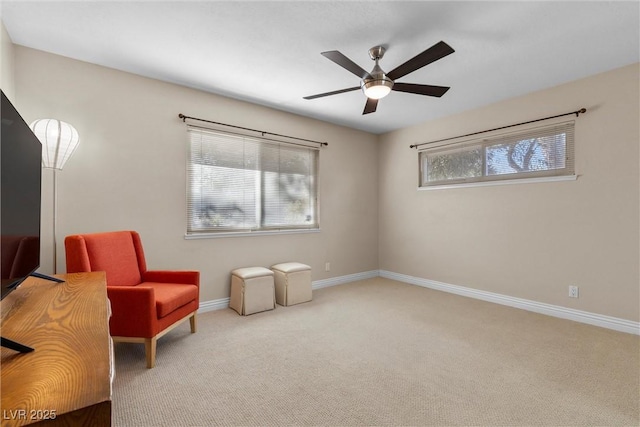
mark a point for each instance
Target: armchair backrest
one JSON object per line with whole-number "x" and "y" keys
{"x": 118, "y": 253}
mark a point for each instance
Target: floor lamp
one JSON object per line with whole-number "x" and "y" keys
{"x": 59, "y": 141}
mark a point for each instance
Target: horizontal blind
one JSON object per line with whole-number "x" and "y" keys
{"x": 536, "y": 152}
{"x": 239, "y": 183}
{"x": 548, "y": 148}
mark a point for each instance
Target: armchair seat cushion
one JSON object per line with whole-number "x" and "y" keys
{"x": 170, "y": 296}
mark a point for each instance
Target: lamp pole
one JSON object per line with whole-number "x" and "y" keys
{"x": 59, "y": 141}
{"x": 55, "y": 221}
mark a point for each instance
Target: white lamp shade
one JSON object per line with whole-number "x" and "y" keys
{"x": 59, "y": 141}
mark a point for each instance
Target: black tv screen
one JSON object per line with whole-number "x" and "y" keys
{"x": 21, "y": 171}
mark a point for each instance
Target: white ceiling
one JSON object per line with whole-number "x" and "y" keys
{"x": 269, "y": 52}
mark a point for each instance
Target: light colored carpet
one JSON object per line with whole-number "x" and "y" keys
{"x": 380, "y": 352}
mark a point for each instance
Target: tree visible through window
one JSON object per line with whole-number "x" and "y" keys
{"x": 238, "y": 183}
{"x": 538, "y": 152}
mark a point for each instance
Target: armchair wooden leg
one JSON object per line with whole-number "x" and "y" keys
{"x": 194, "y": 323}
{"x": 150, "y": 351}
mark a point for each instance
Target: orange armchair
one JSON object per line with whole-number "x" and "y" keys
{"x": 145, "y": 304}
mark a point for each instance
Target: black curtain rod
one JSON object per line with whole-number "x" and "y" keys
{"x": 184, "y": 118}
{"x": 577, "y": 113}
{"x": 262, "y": 138}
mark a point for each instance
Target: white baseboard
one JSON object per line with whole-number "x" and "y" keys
{"x": 216, "y": 304}
{"x": 603, "y": 321}
{"x": 341, "y": 280}
{"x": 223, "y": 303}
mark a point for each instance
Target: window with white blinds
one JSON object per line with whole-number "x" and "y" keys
{"x": 243, "y": 184}
{"x": 539, "y": 152}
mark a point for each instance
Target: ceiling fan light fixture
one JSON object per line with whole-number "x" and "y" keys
{"x": 377, "y": 88}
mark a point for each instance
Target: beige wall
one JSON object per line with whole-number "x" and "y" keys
{"x": 7, "y": 73}
{"x": 129, "y": 172}
{"x": 528, "y": 240}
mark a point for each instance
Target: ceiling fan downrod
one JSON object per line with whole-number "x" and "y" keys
{"x": 378, "y": 85}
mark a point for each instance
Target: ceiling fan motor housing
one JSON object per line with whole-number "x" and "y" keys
{"x": 376, "y": 87}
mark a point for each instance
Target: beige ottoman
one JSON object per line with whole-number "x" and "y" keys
{"x": 252, "y": 290}
{"x": 293, "y": 283}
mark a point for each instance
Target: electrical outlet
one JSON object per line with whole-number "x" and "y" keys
{"x": 327, "y": 266}
{"x": 573, "y": 292}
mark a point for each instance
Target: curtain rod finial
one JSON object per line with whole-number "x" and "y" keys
{"x": 182, "y": 116}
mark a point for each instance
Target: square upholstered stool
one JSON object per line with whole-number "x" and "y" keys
{"x": 252, "y": 290}
{"x": 293, "y": 283}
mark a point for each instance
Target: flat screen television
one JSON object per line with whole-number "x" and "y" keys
{"x": 20, "y": 187}
{"x": 20, "y": 183}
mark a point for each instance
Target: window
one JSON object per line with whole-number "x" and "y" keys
{"x": 243, "y": 184}
{"x": 539, "y": 152}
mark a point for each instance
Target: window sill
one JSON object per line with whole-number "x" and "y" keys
{"x": 225, "y": 234}
{"x": 501, "y": 182}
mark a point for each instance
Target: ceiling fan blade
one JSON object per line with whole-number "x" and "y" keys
{"x": 346, "y": 63}
{"x": 435, "y": 52}
{"x": 335, "y": 92}
{"x": 421, "y": 89}
{"x": 370, "y": 106}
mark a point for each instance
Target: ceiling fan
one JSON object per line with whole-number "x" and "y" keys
{"x": 377, "y": 84}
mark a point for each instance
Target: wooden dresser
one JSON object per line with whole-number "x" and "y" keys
{"x": 67, "y": 379}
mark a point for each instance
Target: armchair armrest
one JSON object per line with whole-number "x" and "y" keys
{"x": 133, "y": 311}
{"x": 179, "y": 277}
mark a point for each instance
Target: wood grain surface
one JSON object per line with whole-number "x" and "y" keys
{"x": 68, "y": 376}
